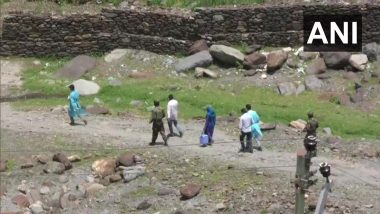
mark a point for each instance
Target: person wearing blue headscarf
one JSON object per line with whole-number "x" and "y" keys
{"x": 75, "y": 110}
{"x": 210, "y": 124}
{"x": 256, "y": 129}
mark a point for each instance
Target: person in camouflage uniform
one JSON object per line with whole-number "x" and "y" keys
{"x": 158, "y": 126}
{"x": 311, "y": 125}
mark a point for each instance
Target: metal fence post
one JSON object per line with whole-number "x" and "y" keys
{"x": 300, "y": 175}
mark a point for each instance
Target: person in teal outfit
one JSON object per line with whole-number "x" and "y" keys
{"x": 256, "y": 129}
{"x": 75, "y": 109}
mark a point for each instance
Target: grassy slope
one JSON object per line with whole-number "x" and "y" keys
{"x": 272, "y": 107}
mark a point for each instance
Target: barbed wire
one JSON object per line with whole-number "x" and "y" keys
{"x": 139, "y": 147}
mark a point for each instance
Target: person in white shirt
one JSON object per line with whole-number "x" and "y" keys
{"x": 245, "y": 127}
{"x": 172, "y": 111}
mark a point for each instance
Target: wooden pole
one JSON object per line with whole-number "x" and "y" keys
{"x": 300, "y": 175}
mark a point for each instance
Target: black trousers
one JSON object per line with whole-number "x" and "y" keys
{"x": 248, "y": 145}
{"x": 172, "y": 122}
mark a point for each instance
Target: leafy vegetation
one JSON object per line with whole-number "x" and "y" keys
{"x": 201, "y": 3}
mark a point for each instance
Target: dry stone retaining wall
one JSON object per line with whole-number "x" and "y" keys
{"x": 168, "y": 32}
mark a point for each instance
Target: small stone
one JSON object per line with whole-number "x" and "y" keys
{"x": 327, "y": 131}
{"x": 37, "y": 208}
{"x": 44, "y": 190}
{"x": 22, "y": 187}
{"x": 42, "y": 159}
{"x": 21, "y": 201}
{"x": 61, "y": 158}
{"x": 165, "y": 191}
{"x": 259, "y": 173}
{"x": 27, "y": 165}
{"x": 93, "y": 189}
{"x": 90, "y": 179}
{"x": 221, "y": 206}
{"x": 190, "y": 190}
{"x": 115, "y": 178}
{"x": 144, "y": 205}
{"x": 74, "y": 158}
{"x": 3, "y": 165}
{"x": 54, "y": 167}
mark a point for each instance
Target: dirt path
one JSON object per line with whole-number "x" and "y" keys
{"x": 135, "y": 132}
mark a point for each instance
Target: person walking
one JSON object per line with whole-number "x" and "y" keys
{"x": 311, "y": 125}
{"x": 256, "y": 129}
{"x": 75, "y": 109}
{"x": 245, "y": 126}
{"x": 172, "y": 110}
{"x": 158, "y": 126}
{"x": 210, "y": 124}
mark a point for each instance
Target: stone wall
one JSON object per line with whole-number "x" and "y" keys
{"x": 168, "y": 32}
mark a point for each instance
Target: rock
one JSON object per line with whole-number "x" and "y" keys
{"x": 298, "y": 124}
{"x": 203, "y": 72}
{"x": 274, "y": 208}
{"x": 92, "y": 189}
{"x": 266, "y": 127}
{"x": 138, "y": 159}
{"x": 218, "y": 18}
{"x": 125, "y": 160}
{"x": 22, "y": 187}
{"x": 190, "y": 190}
{"x": 136, "y": 103}
{"x": 344, "y": 100}
{"x": 226, "y": 55}
{"x": 58, "y": 110}
{"x": 254, "y": 60}
{"x": 144, "y": 205}
{"x": 308, "y": 55}
{"x": 115, "y": 178}
{"x": 252, "y": 48}
{"x": 115, "y": 82}
{"x": 37, "y": 208}
{"x": 292, "y": 62}
{"x": 350, "y": 75}
{"x": 104, "y": 181}
{"x": 77, "y": 67}
{"x": 312, "y": 83}
{"x": 372, "y": 51}
{"x": 323, "y": 76}
{"x": 63, "y": 179}
{"x": 133, "y": 172}
{"x": 336, "y": 60}
{"x": 286, "y": 88}
{"x": 104, "y": 167}
{"x": 44, "y": 190}
{"x": 74, "y": 158}
{"x": 317, "y": 66}
{"x": 275, "y": 60}
{"x": 200, "y": 59}
{"x": 34, "y": 195}
{"x": 115, "y": 55}
{"x": 327, "y": 131}
{"x": 287, "y": 49}
{"x": 141, "y": 75}
{"x": 97, "y": 110}
{"x": 85, "y": 87}
{"x": 3, "y": 165}
{"x": 42, "y": 159}
{"x": 357, "y": 97}
{"x": 198, "y": 46}
{"x": 263, "y": 76}
{"x": 300, "y": 89}
{"x": 165, "y": 191}
{"x": 61, "y": 158}
{"x": 221, "y": 206}
{"x": 67, "y": 201}
{"x": 90, "y": 178}
{"x": 27, "y": 165}
{"x": 54, "y": 167}
{"x": 21, "y": 201}
{"x": 358, "y": 61}
{"x": 249, "y": 73}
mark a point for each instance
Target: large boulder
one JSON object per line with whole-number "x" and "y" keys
{"x": 286, "y": 88}
{"x": 317, "y": 66}
{"x": 312, "y": 83}
{"x": 62, "y": 158}
{"x": 358, "y": 61}
{"x": 254, "y": 60}
{"x": 275, "y": 60}
{"x": 336, "y": 60}
{"x": 203, "y": 72}
{"x": 372, "y": 51}
{"x": 77, "y": 67}
{"x": 200, "y": 59}
{"x": 190, "y": 190}
{"x": 226, "y": 55}
{"x": 104, "y": 167}
{"x": 298, "y": 124}
{"x": 125, "y": 160}
{"x": 97, "y": 110}
{"x": 85, "y": 87}
{"x": 198, "y": 46}
{"x": 115, "y": 55}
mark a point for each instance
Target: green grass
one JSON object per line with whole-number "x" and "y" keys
{"x": 202, "y": 3}
{"x": 195, "y": 95}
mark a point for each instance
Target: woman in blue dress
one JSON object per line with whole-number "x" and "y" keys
{"x": 75, "y": 110}
{"x": 210, "y": 124}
